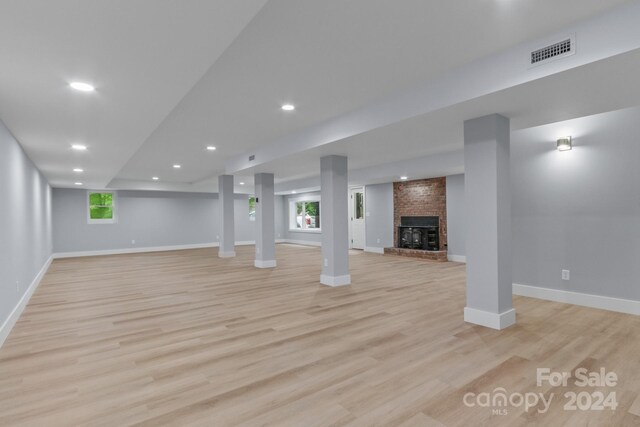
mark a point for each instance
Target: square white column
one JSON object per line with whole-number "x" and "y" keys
{"x": 227, "y": 232}
{"x": 488, "y": 212}
{"x": 265, "y": 221}
{"x": 334, "y": 221}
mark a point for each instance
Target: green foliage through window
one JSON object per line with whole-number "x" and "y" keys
{"x": 101, "y": 199}
{"x": 359, "y": 205}
{"x": 306, "y": 216}
{"x": 252, "y": 208}
{"x": 313, "y": 208}
{"x": 101, "y": 206}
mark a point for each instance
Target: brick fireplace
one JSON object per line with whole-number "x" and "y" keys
{"x": 421, "y": 198}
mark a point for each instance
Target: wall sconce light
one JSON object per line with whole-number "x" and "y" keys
{"x": 564, "y": 144}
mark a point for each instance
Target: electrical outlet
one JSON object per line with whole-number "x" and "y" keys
{"x": 378, "y": 240}
{"x": 278, "y": 234}
{"x": 326, "y": 262}
{"x": 217, "y": 237}
{"x": 133, "y": 242}
{"x": 566, "y": 274}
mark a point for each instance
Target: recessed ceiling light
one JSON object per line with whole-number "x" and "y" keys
{"x": 404, "y": 178}
{"x": 211, "y": 148}
{"x": 82, "y": 87}
{"x": 79, "y": 147}
{"x": 294, "y": 192}
{"x": 242, "y": 183}
{"x": 78, "y": 183}
{"x": 78, "y": 170}
{"x": 288, "y": 107}
{"x": 177, "y": 166}
{"x": 155, "y": 178}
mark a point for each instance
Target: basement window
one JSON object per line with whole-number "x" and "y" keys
{"x": 101, "y": 207}
{"x": 304, "y": 214}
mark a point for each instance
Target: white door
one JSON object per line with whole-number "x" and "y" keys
{"x": 357, "y": 217}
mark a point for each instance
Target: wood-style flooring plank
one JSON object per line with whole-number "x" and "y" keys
{"x": 187, "y": 338}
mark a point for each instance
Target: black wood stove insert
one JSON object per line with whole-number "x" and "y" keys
{"x": 419, "y": 232}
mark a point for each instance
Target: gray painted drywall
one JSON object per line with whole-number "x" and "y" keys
{"x": 455, "y": 215}
{"x": 379, "y": 220}
{"x": 25, "y": 222}
{"x": 579, "y": 210}
{"x": 335, "y": 217}
{"x": 151, "y": 218}
{"x": 310, "y": 237}
{"x": 379, "y": 215}
{"x": 488, "y": 231}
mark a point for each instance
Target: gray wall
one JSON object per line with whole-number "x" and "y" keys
{"x": 302, "y": 236}
{"x": 455, "y": 215}
{"x": 379, "y": 220}
{"x": 25, "y": 222}
{"x": 379, "y": 215}
{"x": 579, "y": 210}
{"x": 150, "y": 218}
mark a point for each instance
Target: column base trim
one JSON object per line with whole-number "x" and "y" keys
{"x": 334, "y": 281}
{"x": 229, "y": 254}
{"x": 457, "y": 258}
{"x": 264, "y": 264}
{"x": 488, "y": 319}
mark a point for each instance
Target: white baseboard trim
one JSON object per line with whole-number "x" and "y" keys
{"x": 457, "y": 258}
{"x": 374, "y": 250}
{"x": 146, "y": 249}
{"x": 334, "y": 281}
{"x": 8, "y": 324}
{"x": 302, "y": 242}
{"x": 586, "y": 300}
{"x": 497, "y": 321}
{"x": 265, "y": 264}
{"x": 133, "y": 250}
{"x": 227, "y": 254}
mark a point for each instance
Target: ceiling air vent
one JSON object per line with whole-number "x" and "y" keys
{"x": 252, "y": 157}
{"x": 557, "y": 50}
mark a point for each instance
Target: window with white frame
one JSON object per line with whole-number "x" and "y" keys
{"x": 101, "y": 207}
{"x": 304, "y": 214}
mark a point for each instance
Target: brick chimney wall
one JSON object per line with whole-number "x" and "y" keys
{"x": 423, "y": 197}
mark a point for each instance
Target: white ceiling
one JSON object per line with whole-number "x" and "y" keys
{"x": 173, "y": 77}
{"x": 143, "y": 56}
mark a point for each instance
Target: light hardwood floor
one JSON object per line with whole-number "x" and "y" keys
{"x": 186, "y": 338}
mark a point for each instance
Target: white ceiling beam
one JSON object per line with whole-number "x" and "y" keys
{"x": 607, "y": 35}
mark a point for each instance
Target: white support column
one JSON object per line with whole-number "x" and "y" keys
{"x": 227, "y": 232}
{"x": 265, "y": 221}
{"x": 488, "y": 210}
{"x": 334, "y": 214}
